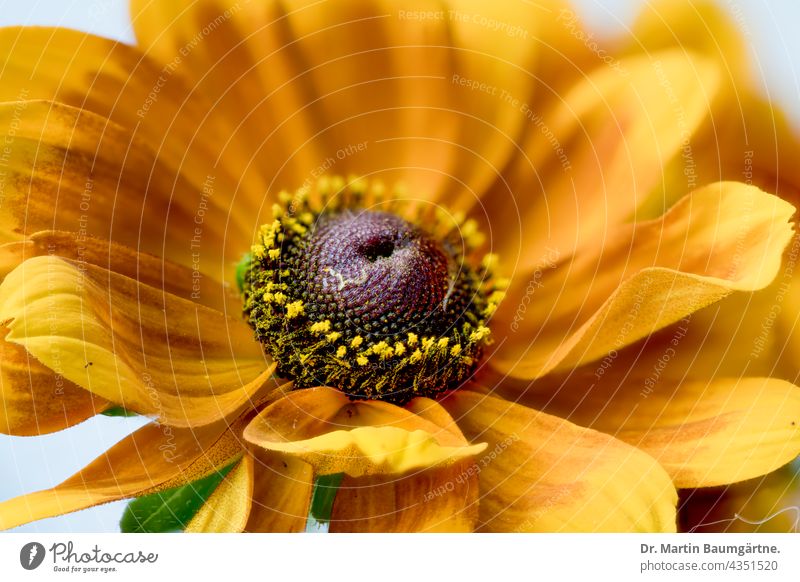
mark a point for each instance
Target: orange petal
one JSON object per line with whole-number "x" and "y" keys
{"x": 148, "y": 269}
{"x": 594, "y": 153}
{"x": 703, "y": 432}
{"x": 161, "y": 108}
{"x": 324, "y": 428}
{"x": 130, "y": 343}
{"x": 439, "y": 499}
{"x": 412, "y": 92}
{"x": 69, "y": 169}
{"x": 281, "y": 494}
{"x": 36, "y": 400}
{"x": 542, "y": 473}
{"x": 645, "y": 277}
{"x": 154, "y": 458}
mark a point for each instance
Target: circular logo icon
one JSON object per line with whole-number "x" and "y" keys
{"x": 31, "y": 555}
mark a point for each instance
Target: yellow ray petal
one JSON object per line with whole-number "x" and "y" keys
{"x": 228, "y": 507}
{"x": 69, "y": 169}
{"x": 439, "y": 499}
{"x": 543, "y": 473}
{"x": 595, "y": 152}
{"x": 35, "y": 399}
{"x": 322, "y": 427}
{"x": 281, "y": 494}
{"x": 413, "y": 92}
{"x": 723, "y": 238}
{"x": 141, "y": 348}
{"x": 145, "y": 268}
{"x": 160, "y": 106}
{"x": 154, "y": 458}
{"x": 703, "y": 432}
{"x": 693, "y": 25}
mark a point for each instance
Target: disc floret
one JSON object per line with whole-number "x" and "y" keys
{"x": 343, "y": 291}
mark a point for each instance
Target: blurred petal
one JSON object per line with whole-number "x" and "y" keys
{"x": 132, "y": 344}
{"x": 769, "y": 504}
{"x": 701, "y": 26}
{"x": 228, "y": 507}
{"x": 594, "y": 153}
{"x": 418, "y": 87}
{"x": 324, "y": 428}
{"x": 722, "y": 238}
{"x": 542, "y": 473}
{"x": 431, "y": 500}
{"x": 281, "y": 493}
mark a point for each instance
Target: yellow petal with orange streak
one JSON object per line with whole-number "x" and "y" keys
{"x": 325, "y": 429}
{"x": 543, "y": 473}
{"x": 132, "y": 344}
{"x": 723, "y": 238}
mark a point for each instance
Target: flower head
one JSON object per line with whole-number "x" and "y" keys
{"x": 495, "y": 341}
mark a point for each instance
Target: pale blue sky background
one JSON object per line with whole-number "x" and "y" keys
{"x": 28, "y": 464}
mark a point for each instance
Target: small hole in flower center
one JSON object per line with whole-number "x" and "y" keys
{"x": 378, "y": 249}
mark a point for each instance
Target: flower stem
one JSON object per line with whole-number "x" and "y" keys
{"x": 322, "y": 497}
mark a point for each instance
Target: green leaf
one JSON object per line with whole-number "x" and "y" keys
{"x": 325, "y": 489}
{"x": 241, "y": 270}
{"x": 118, "y": 411}
{"x": 170, "y": 510}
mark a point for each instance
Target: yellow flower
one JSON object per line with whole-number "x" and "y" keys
{"x": 134, "y": 179}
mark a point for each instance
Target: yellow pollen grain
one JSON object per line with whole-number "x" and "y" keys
{"x": 412, "y": 339}
{"x": 380, "y": 348}
{"x": 497, "y": 296}
{"x": 321, "y": 327}
{"x": 356, "y": 341}
{"x": 294, "y": 309}
{"x": 274, "y": 254}
{"x": 479, "y": 334}
{"x": 280, "y": 298}
{"x": 333, "y": 336}
{"x": 399, "y": 349}
{"x": 442, "y": 343}
{"x": 341, "y": 352}
{"x": 362, "y": 361}
{"x": 455, "y": 350}
{"x": 415, "y": 357}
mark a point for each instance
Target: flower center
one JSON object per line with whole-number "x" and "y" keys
{"x": 343, "y": 291}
